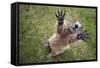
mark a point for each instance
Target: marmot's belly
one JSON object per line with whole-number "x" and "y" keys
{"x": 57, "y": 43}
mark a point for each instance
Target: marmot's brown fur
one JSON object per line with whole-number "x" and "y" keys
{"x": 59, "y": 41}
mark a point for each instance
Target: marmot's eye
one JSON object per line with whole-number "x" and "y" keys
{"x": 76, "y": 26}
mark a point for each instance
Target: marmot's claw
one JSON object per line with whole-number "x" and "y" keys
{"x": 60, "y": 16}
{"x": 83, "y": 35}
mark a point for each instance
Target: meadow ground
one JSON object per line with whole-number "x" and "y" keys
{"x": 37, "y": 24}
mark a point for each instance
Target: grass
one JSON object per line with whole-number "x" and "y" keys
{"x": 37, "y": 24}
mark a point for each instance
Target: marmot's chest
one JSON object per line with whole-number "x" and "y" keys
{"x": 59, "y": 41}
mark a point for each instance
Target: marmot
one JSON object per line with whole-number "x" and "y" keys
{"x": 65, "y": 34}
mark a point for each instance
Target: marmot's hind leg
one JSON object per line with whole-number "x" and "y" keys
{"x": 51, "y": 54}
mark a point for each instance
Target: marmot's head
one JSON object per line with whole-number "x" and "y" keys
{"x": 75, "y": 26}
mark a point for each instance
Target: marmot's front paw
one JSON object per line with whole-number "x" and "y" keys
{"x": 83, "y": 35}
{"x": 60, "y": 16}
